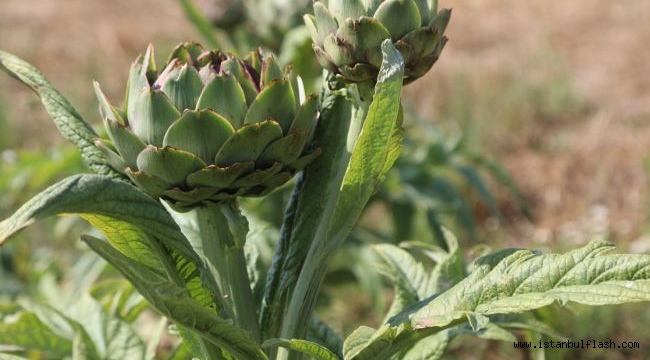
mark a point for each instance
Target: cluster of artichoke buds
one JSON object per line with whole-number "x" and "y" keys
{"x": 347, "y": 35}
{"x": 209, "y": 127}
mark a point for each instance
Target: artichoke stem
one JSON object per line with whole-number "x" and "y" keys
{"x": 217, "y": 232}
{"x": 303, "y": 298}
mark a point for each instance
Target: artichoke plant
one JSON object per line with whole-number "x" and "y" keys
{"x": 208, "y": 127}
{"x": 347, "y": 35}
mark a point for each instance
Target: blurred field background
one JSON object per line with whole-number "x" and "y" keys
{"x": 557, "y": 92}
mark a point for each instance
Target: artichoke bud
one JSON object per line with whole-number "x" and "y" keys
{"x": 209, "y": 127}
{"x": 347, "y": 35}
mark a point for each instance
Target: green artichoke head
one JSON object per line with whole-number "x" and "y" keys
{"x": 347, "y": 35}
{"x": 209, "y": 127}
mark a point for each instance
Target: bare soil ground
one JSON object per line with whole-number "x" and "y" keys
{"x": 594, "y": 181}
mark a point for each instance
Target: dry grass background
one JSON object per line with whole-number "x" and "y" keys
{"x": 582, "y": 171}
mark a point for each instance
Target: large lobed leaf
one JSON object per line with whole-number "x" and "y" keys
{"x": 511, "y": 281}
{"x": 71, "y": 125}
{"x": 411, "y": 280}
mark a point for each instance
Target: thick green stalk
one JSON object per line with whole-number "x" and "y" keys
{"x": 217, "y": 232}
{"x": 372, "y": 146}
{"x": 303, "y": 296}
{"x": 311, "y": 204}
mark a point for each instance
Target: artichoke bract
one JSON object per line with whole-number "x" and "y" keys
{"x": 209, "y": 127}
{"x": 347, "y": 35}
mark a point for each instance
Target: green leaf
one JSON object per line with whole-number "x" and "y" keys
{"x": 357, "y": 340}
{"x": 174, "y": 302}
{"x": 100, "y": 195}
{"x": 119, "y": 297}
{"x": 432, "y": 348}
{"x": 514, "y": 281}
{"x": 522, "y": 280}
{"x": 317, "y": 352}
{"x": 390, "y": 339}
{"x": 127, "y": 238}
{"x": 138, "y": 246}
{"x": 25, "y": 330}
{"x": 450, "y": 200}
{"x": 376, "y": 149}
{"x": 71, "y": 125}
{"x": 60, "y": 323}
{"x": 408, "y": 276}
{"x": 108, "y": 334}
{"x": 320, "y": 333}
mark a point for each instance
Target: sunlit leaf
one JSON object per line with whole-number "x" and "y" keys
{"x": 513, "y": 281}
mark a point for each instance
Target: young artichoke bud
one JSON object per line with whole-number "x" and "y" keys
{"x": 347, "y": 35}
{"x": 208, "y": 127}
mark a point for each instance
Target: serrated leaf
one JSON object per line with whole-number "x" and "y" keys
{"x": 174, "y": 302}
{"x": 409, "y": 278}
{"x": 70, "y": 124}
{"x": 99, "y": 195}
{"x": 514, "y": 281}
{"x": 317, "y": 352}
